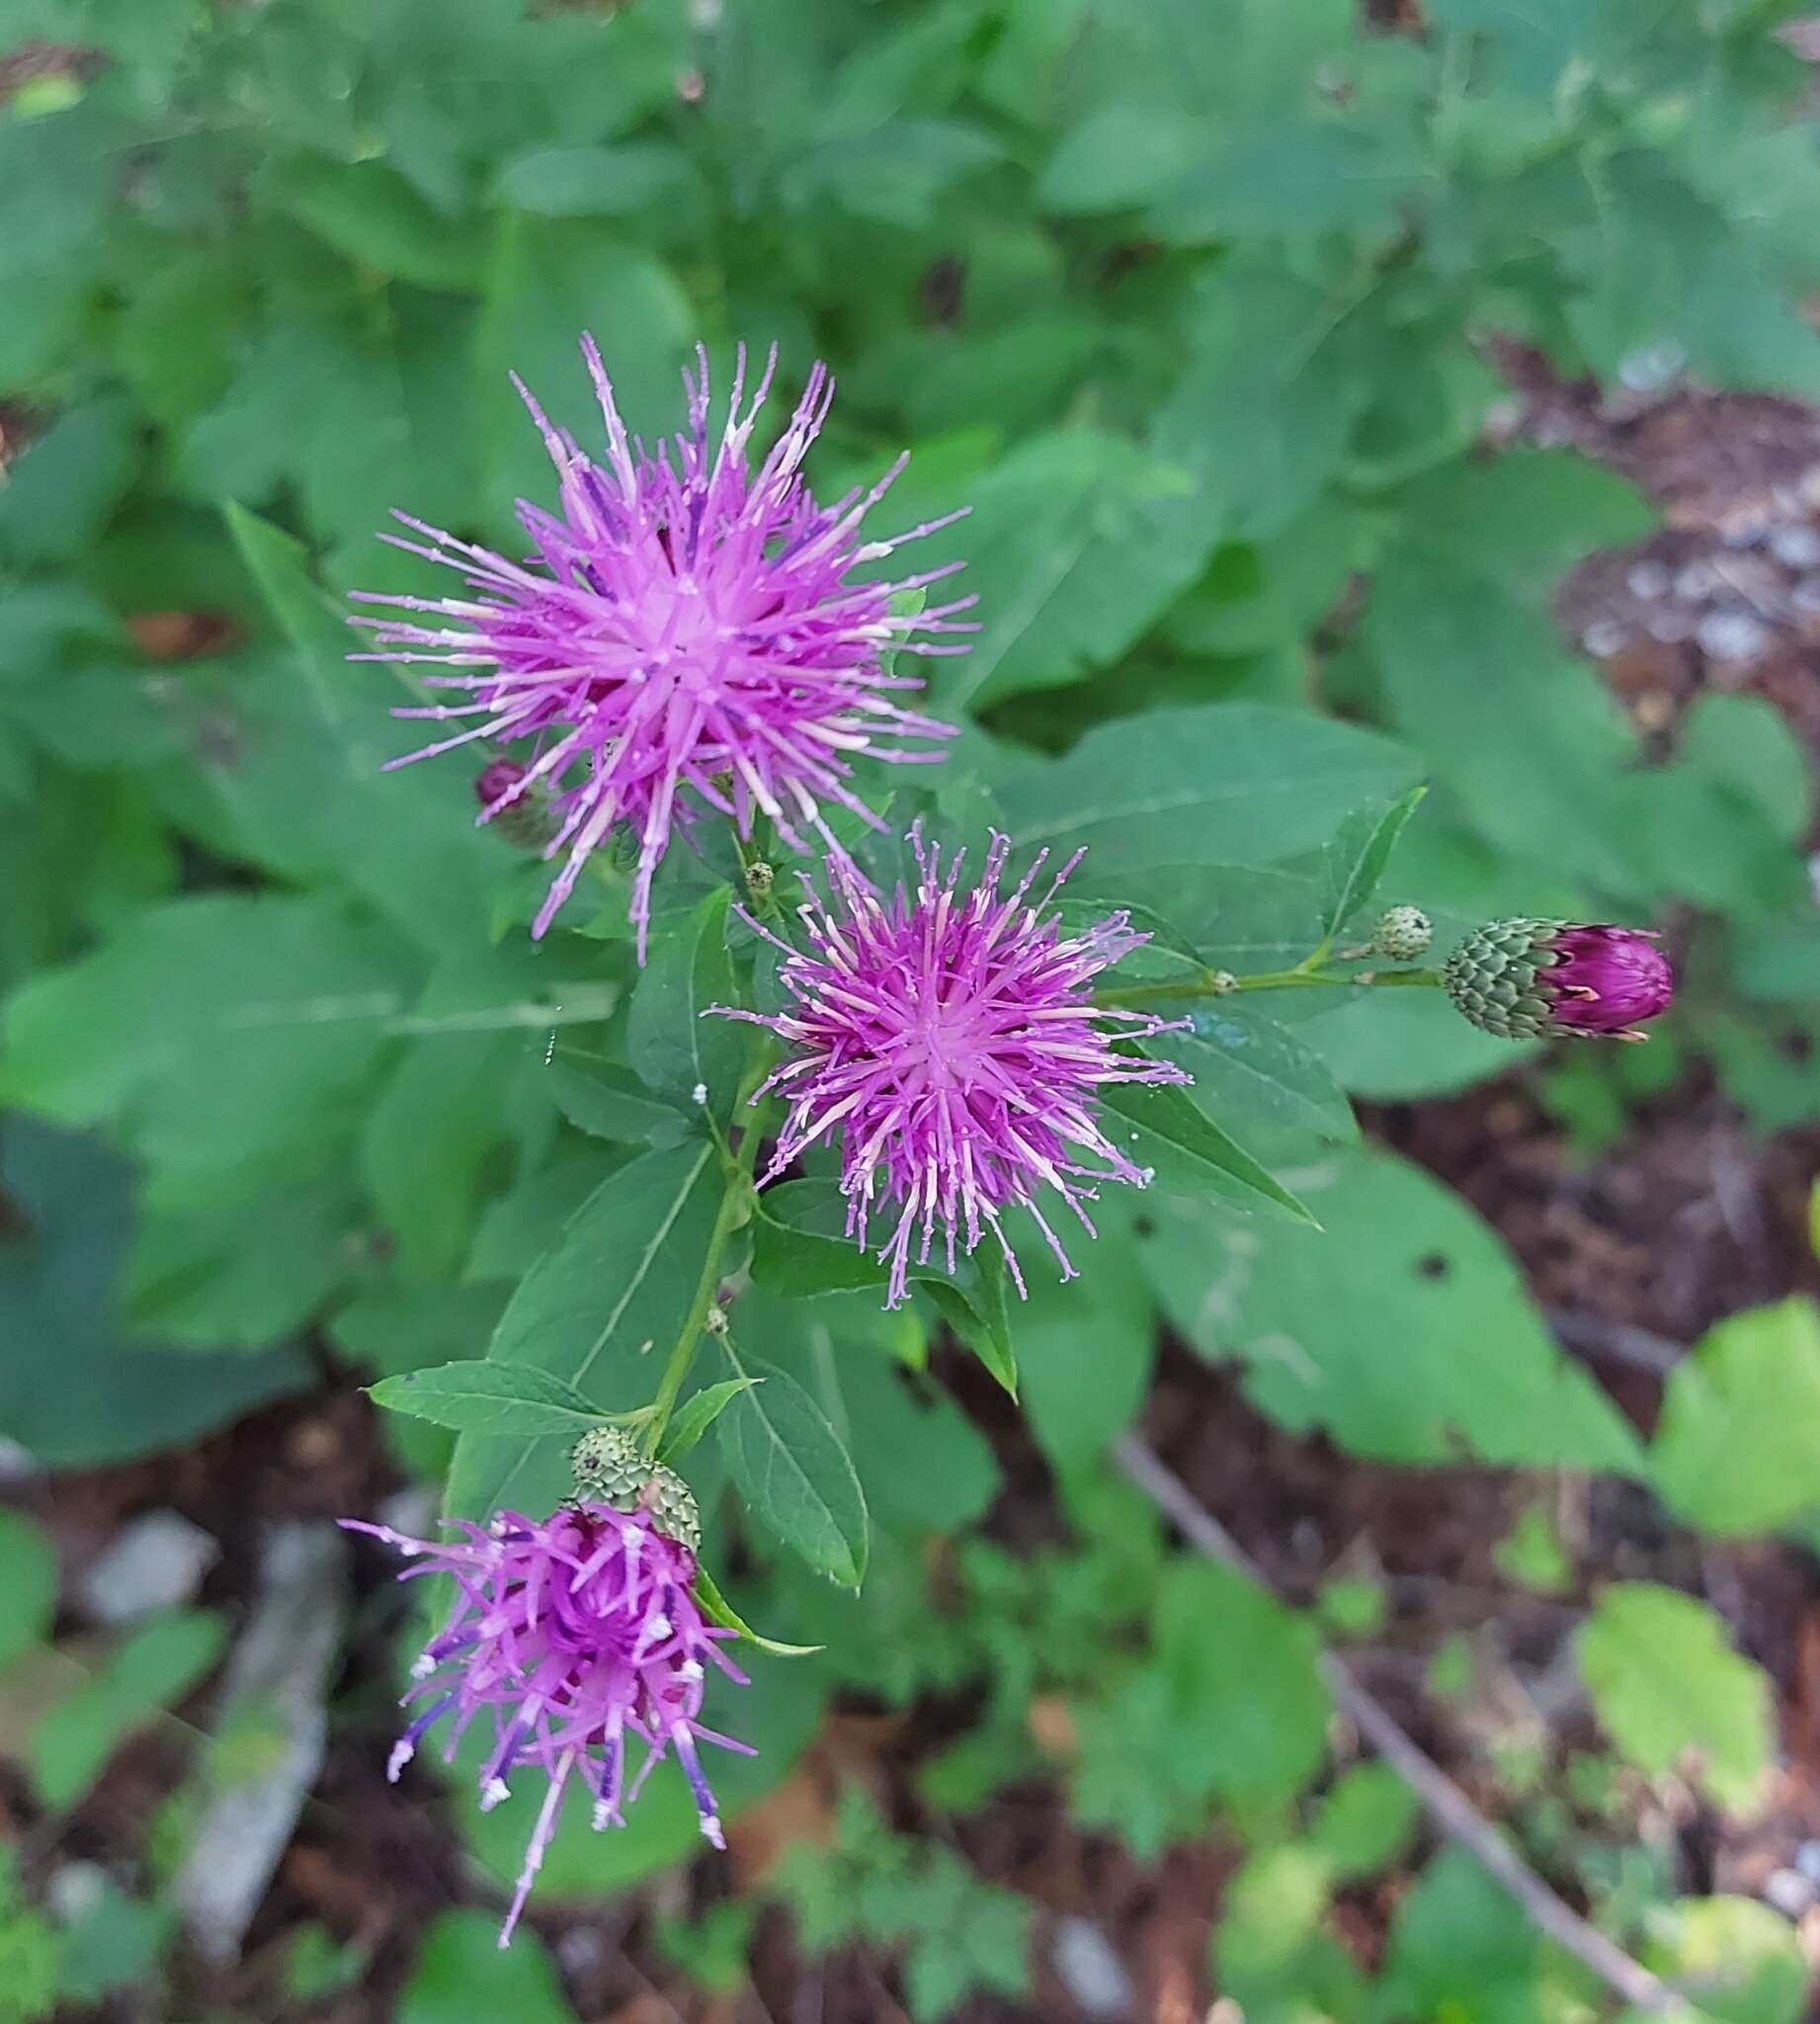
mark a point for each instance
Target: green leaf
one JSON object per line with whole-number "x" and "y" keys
{"x": 801, "y": 1245}
{"x": 29, "y": 1574}
{"x": 1401, "y": 1328}
{"x": 462, "y": 1972}
{"x": 696, "y": 1414}
{"x": 617, "y": 1283}
{"x": 234, "y": 1275}
{"x": 546, "y": 282}
{"x": 1087, "y": 1346}
{"x": 1460, "y": 1945}
{"x": 599, "y": 182}
{"x": 1673, "y": 1695}
{"x": 794, "y": 1475}
{"x": 1278, "y": 375}
{"x": 1075, "y": 544}
{"x": 1735, "y": 1445}
{"x": 1232, "y": 783}
{"x": 1190, "y": 1151}
{"x": 1257, "y": 1077}
{"x": 1358, "y": 855}
{"x": 219, "y": 1035}
{"x": 369, "y": 211}
{"x": 156, "y": 1664}
{"x": 673, "y": 1045}
{"x": 113, "y": 1399}
{"x": 717, "y": 1610}
{"x": 1246, "y": 1670}
{"x": 1530, "y": 1553}
{"x": 598, "y": 1096}
{"x": 491, "y": 1399}
{"x": 61, "y": 495}
{"x": 1745, "y": 1960}
{"x": 1367, "y": 1820}
{"x": 980, "y": 1312}
{"x": 304, "y": 780}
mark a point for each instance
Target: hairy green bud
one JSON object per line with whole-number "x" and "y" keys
{"x": 1402, "y": 933}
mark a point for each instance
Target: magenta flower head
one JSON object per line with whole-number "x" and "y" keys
{"x": 570, "y": 1635}
{"x": 1524, "y": 978}
{"x": 951, "y": 1041}
{"x": 687, "y": 632}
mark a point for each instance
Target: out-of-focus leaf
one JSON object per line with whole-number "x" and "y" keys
{"x": 1400, "y": 1327}
{"x": 1734, "y": 1446}
{"x": 59, "y": 1278}
{"x": 155, "y": 1664}
{"x": 1672, "y": 1693}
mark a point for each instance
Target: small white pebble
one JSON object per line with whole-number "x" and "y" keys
{"x": 1796, "y": 546}
{"x": 1604, "y": 638}
{"x": 1790, "y": 1893}
{"x": 1650, "y": 368}
{"x": 1732, "y": 635}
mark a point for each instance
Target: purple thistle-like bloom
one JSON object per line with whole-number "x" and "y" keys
{"x": 572, "y": 1633}
{"x": 686, "y": 626}
{"x": 1604, "y": 980}
{"x": 951, "y": 1041}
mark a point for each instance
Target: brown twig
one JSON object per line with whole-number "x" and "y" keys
{"x": 1446, "y": 1804}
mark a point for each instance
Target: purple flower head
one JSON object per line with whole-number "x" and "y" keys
{"x": 1604, "y": 980}
{"x": 685, "y": 634}
{"x": 572, "y": 1635}
{"x": 951, "y": 1039}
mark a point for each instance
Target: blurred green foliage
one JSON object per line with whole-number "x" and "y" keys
{"x": 1190, "y": 304}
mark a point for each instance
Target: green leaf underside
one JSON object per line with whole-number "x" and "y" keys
{"x": 695, "y": 1416}
{"x": 791, "y": 1468}
{"x": 1358, "y": 854}
{"x": 491, "y": 1397}
{"x": 717, "y": 1610}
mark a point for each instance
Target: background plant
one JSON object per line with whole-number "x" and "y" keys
{"x": 1198, "y": 310}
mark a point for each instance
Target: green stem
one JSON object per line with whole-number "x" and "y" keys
{"x": 1212, "y": 984}
{"x": 735, "y": 1201}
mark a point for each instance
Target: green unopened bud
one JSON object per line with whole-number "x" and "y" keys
{"x": 1402, "y": 933}
{"x": 1493, "y": 976}
{"x": 1222, "y": 983}
{"x": 610, "y": 1468}
{"x": 760, "y": 879}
